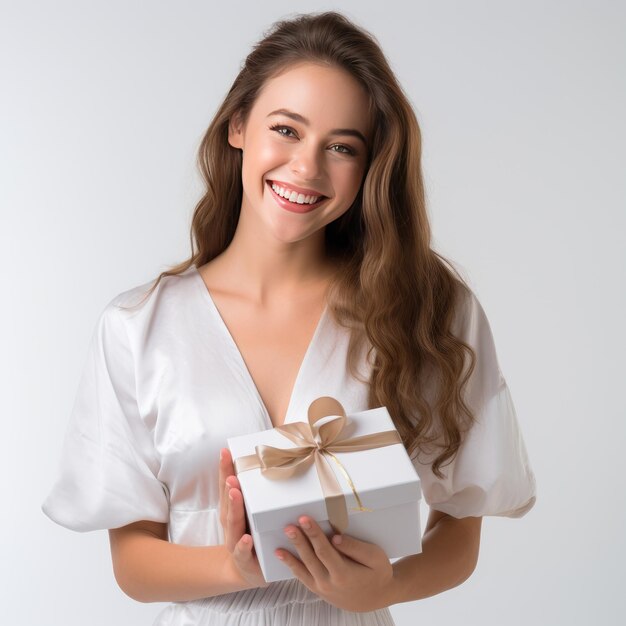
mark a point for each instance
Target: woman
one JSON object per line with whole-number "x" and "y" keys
{"x": 313, "y": 276}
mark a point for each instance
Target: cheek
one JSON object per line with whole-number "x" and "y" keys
{"x": 271, "y": 151}
{"x": 263, "y": 159}
{"x": 350, "y": 180}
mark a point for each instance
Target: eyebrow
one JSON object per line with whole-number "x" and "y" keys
{"x": 352, "y": 132}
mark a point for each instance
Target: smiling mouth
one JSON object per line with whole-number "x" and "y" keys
{"x": 296, "y": 207}
{"x": 318, "y": 195}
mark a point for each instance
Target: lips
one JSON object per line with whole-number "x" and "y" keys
{"x": 294, "y": 207}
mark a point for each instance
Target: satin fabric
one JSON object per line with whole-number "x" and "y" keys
{"x": 164, "y": 385}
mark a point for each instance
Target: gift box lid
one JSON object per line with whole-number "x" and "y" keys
{"x": 382, "y": 477}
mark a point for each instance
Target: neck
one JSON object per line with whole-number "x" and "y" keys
{"x": 268, "y": 271}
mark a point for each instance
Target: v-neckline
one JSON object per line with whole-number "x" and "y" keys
{"x": 244, "y": 366}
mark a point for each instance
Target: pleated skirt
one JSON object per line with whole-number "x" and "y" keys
{"x": 283, "y": 603}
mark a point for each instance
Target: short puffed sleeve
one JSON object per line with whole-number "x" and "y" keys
{"x": 107, "y": 475}
{"x": 491, "y": 473}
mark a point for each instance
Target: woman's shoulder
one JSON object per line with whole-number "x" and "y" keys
{"x": 468, "y": 312}
{"x": 151, "y": 312}
{"x": 472, "y": 326}
{"x": 154, "y": 296}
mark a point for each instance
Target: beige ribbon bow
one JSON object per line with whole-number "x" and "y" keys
{"x": 317, "y": 442}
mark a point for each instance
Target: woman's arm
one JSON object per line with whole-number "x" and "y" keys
{"x": 449, "y": 555}
{"x": 148, "y": 568}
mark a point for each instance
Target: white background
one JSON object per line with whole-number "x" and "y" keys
{"x": 522, "y": 108}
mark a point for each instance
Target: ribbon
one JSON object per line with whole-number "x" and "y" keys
{"x": 316, "y": 443}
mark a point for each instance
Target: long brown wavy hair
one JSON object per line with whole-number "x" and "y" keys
{"x": 391, "y": 288}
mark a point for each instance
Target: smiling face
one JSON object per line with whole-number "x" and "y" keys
{"x": 305, "y": 131}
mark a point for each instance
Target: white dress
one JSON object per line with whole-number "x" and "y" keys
{"x": 163, "y": 387}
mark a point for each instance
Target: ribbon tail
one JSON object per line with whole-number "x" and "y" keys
{"x": 333, "y": 495}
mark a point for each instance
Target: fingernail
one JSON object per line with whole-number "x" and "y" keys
{"x": 279, "y": 556}
{"x": 337, "y": 539}
{"x": 305, "y": 523}
{"x": 221, "y": 454}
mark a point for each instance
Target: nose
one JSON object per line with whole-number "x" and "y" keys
{"x": 306, "y": 162}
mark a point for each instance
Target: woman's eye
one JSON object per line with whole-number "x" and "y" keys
{"x": 279, "y": 128}
{"x": 347, "y": 150}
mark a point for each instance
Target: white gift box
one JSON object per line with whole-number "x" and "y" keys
{"x": 383, "y": 477}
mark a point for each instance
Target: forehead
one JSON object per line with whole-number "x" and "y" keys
{"x": 327, "y": 96}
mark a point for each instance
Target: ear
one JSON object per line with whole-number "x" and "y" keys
{"x": 235, "y": 131}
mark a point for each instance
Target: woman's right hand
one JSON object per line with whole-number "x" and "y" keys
{"x": 233, "y": 520}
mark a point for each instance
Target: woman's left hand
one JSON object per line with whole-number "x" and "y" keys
{"x": 353, "y": 575}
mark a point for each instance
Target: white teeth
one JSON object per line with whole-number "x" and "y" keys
{"x": 294, "y": 196}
